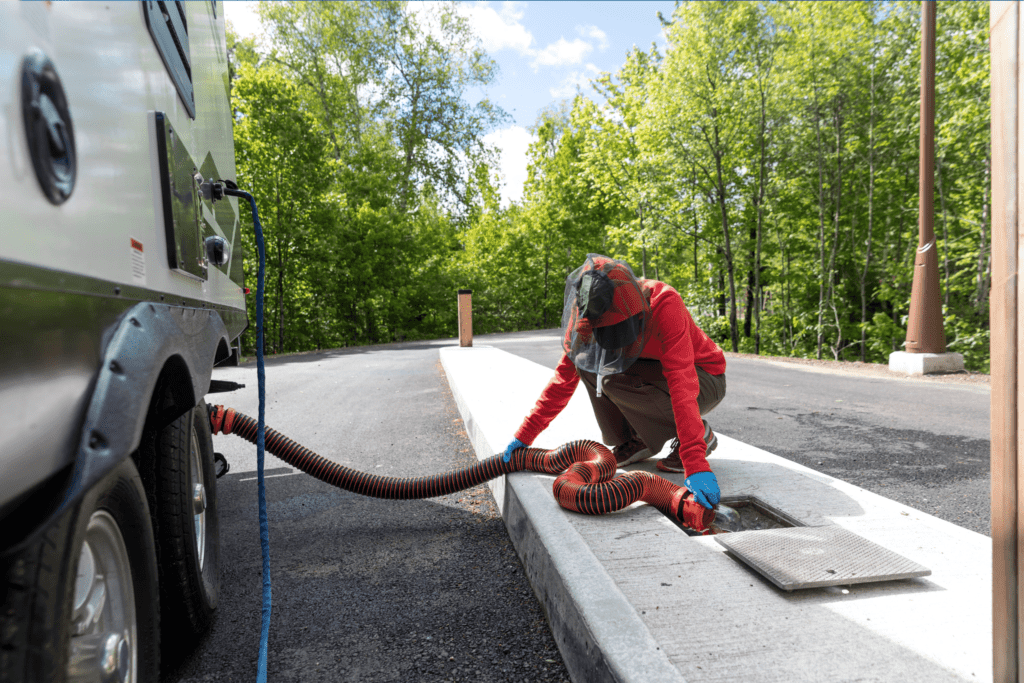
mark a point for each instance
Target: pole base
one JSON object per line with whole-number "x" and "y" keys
{"x": 925, "y": 363}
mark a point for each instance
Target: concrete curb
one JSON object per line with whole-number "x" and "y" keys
{"x": 631, "y": 597}
{"x": 597, "y": 630}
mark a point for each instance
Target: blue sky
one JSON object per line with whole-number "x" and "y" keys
{"x": 544, "y": 50}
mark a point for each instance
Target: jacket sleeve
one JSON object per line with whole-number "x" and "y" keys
{"x": 552, "y": 401}
{"x": 676, "y": 330}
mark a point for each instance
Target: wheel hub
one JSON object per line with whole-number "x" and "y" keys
{"x": 198, "y": 498}
{"x": 103, "y": 618}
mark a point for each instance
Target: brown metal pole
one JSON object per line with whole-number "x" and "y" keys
{"x": 925, "y": 333}
{"x": 465, "y": 317}
{"x": 1004, "y": 18}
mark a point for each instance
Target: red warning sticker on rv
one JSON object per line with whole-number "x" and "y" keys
{"x": 138, "y": 261}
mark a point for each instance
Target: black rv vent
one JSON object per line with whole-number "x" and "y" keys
{"x": 167, "y": 25}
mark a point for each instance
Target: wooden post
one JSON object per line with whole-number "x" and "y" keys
{"x": 925, "y": 332}
{"x": 1004, "y": 36}
{"x": 465, "y": 317}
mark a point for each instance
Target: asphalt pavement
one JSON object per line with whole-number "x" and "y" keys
{"x": 925, "y": 444}
{"x": 374, "y": 590}
{"x": 364, "y": 589}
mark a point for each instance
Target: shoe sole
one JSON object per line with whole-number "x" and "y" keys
{"x": 643, "y": 454}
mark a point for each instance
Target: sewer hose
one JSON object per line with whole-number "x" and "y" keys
{"x": 586, "y": 480}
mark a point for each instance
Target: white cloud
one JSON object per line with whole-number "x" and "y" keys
{"x": 514, "y": 144}
{"x": 243, "y": 18}
{"x": 594, "y": 32}
{"x": 572, "y": 82}
{"x": 498, "y": 30}
{"x": 562, "y": 52}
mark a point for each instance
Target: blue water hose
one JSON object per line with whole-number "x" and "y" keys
{"x": 261, "y": 667}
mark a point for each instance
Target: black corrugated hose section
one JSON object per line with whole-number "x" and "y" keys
{"x": 586, "y": 469}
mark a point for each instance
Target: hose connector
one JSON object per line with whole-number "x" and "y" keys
{"x": 221, "y": 419}
{"x": 690, "y": 513}
{"x": 211, "y": 190}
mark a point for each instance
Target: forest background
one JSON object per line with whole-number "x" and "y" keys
{"x": 764, "y": 163}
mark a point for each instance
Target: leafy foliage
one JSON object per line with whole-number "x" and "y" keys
{"x": 764, "y": 163}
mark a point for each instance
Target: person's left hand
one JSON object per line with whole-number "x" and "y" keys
{"x": 705, "y": 488}
{"x": 515, "y": 444}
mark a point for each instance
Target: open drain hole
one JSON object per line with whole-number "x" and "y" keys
{"x": 755, "y": 515}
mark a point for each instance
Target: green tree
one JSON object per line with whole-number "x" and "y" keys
{"x": 281, "y": 158}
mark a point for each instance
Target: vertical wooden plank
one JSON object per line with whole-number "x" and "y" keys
{"x": 1015, "y": 312}
{"x": 465, "y": 317}
{"x": 1004, "y": 20}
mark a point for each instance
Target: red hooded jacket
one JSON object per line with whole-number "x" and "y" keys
{"x": 680, "y": 345}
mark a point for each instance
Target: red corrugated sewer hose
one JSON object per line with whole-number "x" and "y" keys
{"x": 586, "y": 469}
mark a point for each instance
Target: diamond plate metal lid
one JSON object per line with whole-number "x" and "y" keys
{"x": 811, "y": 557}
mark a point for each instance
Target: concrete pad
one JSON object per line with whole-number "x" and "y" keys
{"x": 631, "y": 597}
{"x": 925, "y": 363}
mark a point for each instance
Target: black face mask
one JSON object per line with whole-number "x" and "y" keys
{"x": 604, "y": 288}
{"x": 619, "y": 335}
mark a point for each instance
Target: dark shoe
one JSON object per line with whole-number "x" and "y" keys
{"x": 710, "y": 440}
{"x": 631, "y": 451}
{"x": 672, "y": 463}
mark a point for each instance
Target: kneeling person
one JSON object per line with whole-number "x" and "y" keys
{"x": 651, "y": 373}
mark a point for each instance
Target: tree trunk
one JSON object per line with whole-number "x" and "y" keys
{"x": 409, "y": 146}
{"x": 547, "y": 267}
{"x": 821, "y": 225}
{"x": 871, "y": 217}
{"x": 945, "y": 236}
{"x": 867, "y": 250}
{"x": 984, "y": 253}
{"x": 696, "y": 228}
{"x": 280, "y": 295}
{"x": 759, "y": 229}
{"x": 721, "y": 289}
{"x": 729, "y": 265}
{"x": 748, "y": 313}
{"x": 280, "y": 270}
{"x": 838, "y": 119}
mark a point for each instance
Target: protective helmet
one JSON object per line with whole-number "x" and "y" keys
{"x": 606, "y": 319}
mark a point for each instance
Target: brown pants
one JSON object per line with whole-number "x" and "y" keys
{"x": 639, "y": 399}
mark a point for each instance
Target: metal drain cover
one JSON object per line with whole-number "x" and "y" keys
{"x": 815, "y": 556}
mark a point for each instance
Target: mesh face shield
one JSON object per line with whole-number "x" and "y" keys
{"x": 605, "y": 317}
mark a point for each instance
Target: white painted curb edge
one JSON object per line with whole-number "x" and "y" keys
{"x": 599, "y": 633}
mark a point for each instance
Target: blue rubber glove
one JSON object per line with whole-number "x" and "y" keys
{"x": 705, "y": 488}
{"x": 516, "y": 443}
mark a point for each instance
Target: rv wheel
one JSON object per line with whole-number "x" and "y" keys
{"x": 182, "y": 484}
{"x": 80, "y": 601}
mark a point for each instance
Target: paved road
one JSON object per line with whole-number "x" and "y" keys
{"x": 371, "y": 590}
{"x": 925, "y": 444}
{"x": 364, "y": 589}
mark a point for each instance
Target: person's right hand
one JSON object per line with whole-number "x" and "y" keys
{"x": 516, "y": 443}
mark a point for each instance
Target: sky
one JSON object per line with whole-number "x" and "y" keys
{"x": 545, "y": 51}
